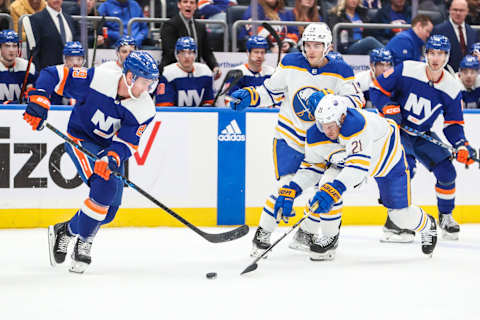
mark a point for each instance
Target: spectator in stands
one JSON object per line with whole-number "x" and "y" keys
{"x": 272, "y": 10}
{"x": 181, "y": 25}
{"x": 75, "y": 9}
{"x": 51, "y": 28}
{"x": 4, "y": 8}
{"x": 473, "y": 17}
{"x": 372, "y": 4}
{"x": 307, "y": 11}
{"x": 186, "y": 83}
{"x": 468, "y": 77}
{"x": 125, "y": 10}
{"x": 395, "y": 12}
{"x": 214, "y": 9}
{"x": 460, "y": 34}
{"x": 20, "y": 7}
{"x": 357, "y": 40}
{"x": 12, "y": 68}
{"x": 408, "y": 44}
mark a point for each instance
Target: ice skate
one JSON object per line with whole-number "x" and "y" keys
{"x": 261, "y": 242}
{"x": 302, "y": 241}
{"x": 392, "y": 233}
{"x": 449, "y": 226}
{"x": 58, "y": 239}
{"x": 323, "y": 248}
{"x": 81, "y": 258}
{"x": 429, "y": 237}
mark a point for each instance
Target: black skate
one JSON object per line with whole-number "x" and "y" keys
{"x": 58, "y": 239}
{"x": 429, "y": 237}
{"x": 81, "y": 258}
{"x": 261, "y": 242}
{"x": 302, "y": 241}
{"x": 323, "y": 248}
{"x": 449, "y": 226}
{"x": 392, "y": 233}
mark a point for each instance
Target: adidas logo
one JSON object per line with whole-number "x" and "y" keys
{"x": 231, "y": 132}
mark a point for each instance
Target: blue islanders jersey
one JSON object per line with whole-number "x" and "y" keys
{"x": 471, "y": 96}
{"x": 100, "y": 116}
{"x": 420, "y": 100}
{"x": 251, "y": 78}
{"x": 185, "y": 89}
{"x": 11, "y": 79}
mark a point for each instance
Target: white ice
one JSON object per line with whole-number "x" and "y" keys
{"x": 159, "y": 273}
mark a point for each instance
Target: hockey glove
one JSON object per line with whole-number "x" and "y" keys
{"x": 314, "y": 100}
{"x": 284, "y": 205}
{"x": 393, "y": 112}
{"x": 464, "y": 153}
{"x": 37, "y": 109}
{"x": 108, "y": 161}
{"x": 247, "y": 96}
{"x": 328, "y": 194}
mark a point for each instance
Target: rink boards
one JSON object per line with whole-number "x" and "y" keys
{"x": 212, "y": 166}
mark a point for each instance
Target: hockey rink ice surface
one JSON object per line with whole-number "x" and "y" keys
{"x": 159, "y": 273}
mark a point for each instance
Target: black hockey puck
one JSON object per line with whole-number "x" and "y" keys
{"x": 212, "y": 275}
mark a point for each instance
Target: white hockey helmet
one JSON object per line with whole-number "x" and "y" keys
{"x": 330, "y": 109}
{"x": 317, "y": 32}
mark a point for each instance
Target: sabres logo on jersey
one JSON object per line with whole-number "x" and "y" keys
{"x": 300, "y": 100}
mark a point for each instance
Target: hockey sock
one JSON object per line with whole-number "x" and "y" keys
{"x": 445, "y": 186}
{"x": 112, "y": 211}
{"x": 331, "y": 220}
{"x": 73, "y": 224}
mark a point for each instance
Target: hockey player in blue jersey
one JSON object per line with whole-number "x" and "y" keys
{"x": 123, "y": 47}
{"x": 380, "y": 61}
{"x": 369, "y": 145}
{"x": 254, "y": 71}
{"x": 113, "y": 109}
{"x": 298, "y": 76}
{"x": 186, "y": 83}
{"x": 414, "y": 94}
{"x": 73, "y": 57}
{"x": 468, "y": 76}
{"x": 12, "y": 68}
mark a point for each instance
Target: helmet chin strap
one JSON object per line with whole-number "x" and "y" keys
{"x": 129, "y": 87}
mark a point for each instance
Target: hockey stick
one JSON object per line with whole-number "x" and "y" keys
{"x": 25, "y": 79}
{"x": 277, "y": 39}
{"x": 235, "y": 76}
{"x": 30, "y": 40}
{"x": 433, "y": 140}
{"x": 211, "y": 237}
{"x": 95, "y": 35}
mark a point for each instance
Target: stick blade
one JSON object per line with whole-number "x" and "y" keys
{"x": 227, "y": 236}
{"x": 250, "y": 268}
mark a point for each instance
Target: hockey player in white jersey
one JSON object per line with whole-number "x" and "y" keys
{"x": 371, "y": 147}
{"x": 123, "y": 46}
{"x": 295, "y": 79}
{"x": 468, "y": 77}
{"x": 415, "y": 94}
{"x": 380, "y": 61}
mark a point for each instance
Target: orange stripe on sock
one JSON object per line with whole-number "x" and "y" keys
{"x": 445, "y": 191}
{"x": 95, "y": 207}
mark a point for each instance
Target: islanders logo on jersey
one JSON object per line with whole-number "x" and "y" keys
{"x": 300, "y": 100}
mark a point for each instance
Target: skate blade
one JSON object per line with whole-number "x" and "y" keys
{"x": 299, "y": 247}
{"x": 449, "y": 235}
{"x": 51, "y": 244}
{"x": 390, "y": 237}
{"x": 327, "y": 256}
{"x": 78, "y": 267}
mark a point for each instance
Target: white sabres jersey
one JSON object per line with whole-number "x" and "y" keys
{"x": 291, "y": 85}
{"x": 250, "y": 78}
{"x": 369, "y": 144}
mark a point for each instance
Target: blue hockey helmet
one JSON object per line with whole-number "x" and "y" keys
{"x": 381, "y": 55}
{"x": 185, "y": 43}
{"x": 475, "y": 48}
{"x": 8, "y": 36}
{"x": 125, "y": 40}
{"x": 73, "y": 48}
{"x": 438, "y": 42}
{"x": 257, "y": 42}
{"x": 142, "y": 64}
{"x": 469, "y": 62}
{"x": 334, "y": 56}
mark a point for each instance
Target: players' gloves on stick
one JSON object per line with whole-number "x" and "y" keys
{"x": 328, "y": 194}
{"x": 464, "y": 153}
{"x": 283, "y": 208}
{"x": 393, "y": 112}
{"x": 108, "y": 161}
{"x": 37, "y": 109}
{"x": 248, "y": 97}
